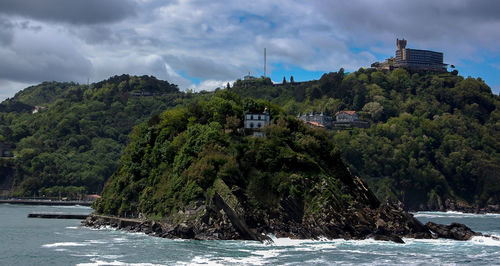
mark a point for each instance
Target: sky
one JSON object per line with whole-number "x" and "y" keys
{"x": 201, "y": 45}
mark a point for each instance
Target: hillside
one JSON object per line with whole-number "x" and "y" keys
{"x": 75, "y": 142}
{"x": 194, "y": 172}
{"x": 434, "y": 140}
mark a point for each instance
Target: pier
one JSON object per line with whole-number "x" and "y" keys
{"x": 58, "y": 216}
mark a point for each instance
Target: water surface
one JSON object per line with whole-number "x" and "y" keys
{"x": 63, "y": 242}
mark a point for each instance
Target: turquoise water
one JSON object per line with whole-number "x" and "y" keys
{"x": 63, "y": 242}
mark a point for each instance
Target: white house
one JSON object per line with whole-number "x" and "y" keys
{"x": 255, "y": 122}
{"x": 37, "y": 109}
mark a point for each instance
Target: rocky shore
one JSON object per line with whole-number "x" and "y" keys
{"x": 219, "y": 221}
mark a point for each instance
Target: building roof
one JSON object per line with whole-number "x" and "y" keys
{"x": 316, "y": 124}
{"x": 346, "y": 112}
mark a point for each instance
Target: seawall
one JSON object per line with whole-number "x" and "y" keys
{"x": 47, "y": 202}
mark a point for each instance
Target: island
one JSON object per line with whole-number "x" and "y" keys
{"x": 196, "y": 172}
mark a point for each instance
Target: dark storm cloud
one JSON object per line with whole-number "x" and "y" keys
{"x": 39, "y": 66}
{"x": 35, "y": 54}
{"x": 425, "y": 21}
{"x": 212, "y": 42}
{"x": 6, "y": 31}
{"x": 74, "y": 12}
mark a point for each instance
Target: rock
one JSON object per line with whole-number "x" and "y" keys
{"x": 156, "y": 228}
{"x": 455, "y": 231}
{"x": 393, "y": 238}
{"x": 380, "y": 223}
{"x": 182, "y": 230}
{"x": 238, "y": 223}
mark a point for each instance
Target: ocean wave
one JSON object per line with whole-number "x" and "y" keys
{"x": 102, "y": 228}
{"x": 323, "y": 242}
{"x": 96, "y": 241}
{"x": 210, "y": 260}
{"x": 454, "y": 214}
{"x": 114, "y": 263}
{"x": 312, "y": 244}
{"x": 475, "y": 240}
{"x": 66, "y": 244}
{"x": 486, "y": 241}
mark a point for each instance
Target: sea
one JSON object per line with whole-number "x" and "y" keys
{"x": 34, "y": 241}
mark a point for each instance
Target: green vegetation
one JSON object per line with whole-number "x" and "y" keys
{"x": 78, "y": 138}
{"x": 433, "y": 136}
{"x": 189, "y": 153}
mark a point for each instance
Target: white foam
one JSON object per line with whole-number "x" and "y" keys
{"x": 71, "y": 227}
{"x": 115, "y": 263}
{"x": 209, "y": 260}
{"x": 103, "y": 228}
{"x": 96, "y": 241}
{"x": 485, "y": 241}
{"x": 112, "y": 257}
{"x": 65, "y": 244}
{"x": 453, "y": 214}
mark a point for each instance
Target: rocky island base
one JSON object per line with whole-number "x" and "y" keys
{"x": 391, "y": 224}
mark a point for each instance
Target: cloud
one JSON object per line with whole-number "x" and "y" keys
{"x": 203, "y": 44}
{"x": 74, "y": 12}
{"x": 460, "y": 25}
{"x": 39, "y": 55}
{"x": 9, "y": 88}
{"x": 6, "y": 31}
{"x": 210, "y": 85}
{"x": 204, "y": 67}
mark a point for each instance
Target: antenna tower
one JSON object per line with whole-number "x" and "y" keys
{"x": 264, "y": 62}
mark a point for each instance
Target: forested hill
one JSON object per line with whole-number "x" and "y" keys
{"x": 433, "y": 137}
{"x": 73, "y": 144}
{"x": 193, "y": 173}
{"x": 434, "y": 140}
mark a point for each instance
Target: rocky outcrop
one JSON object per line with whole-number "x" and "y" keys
{"x": 455, "y": 231}
{"x": 386, "y": 223}
{"x": 227, "y": 215}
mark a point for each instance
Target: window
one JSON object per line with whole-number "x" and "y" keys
{"x": 251, "y": 125}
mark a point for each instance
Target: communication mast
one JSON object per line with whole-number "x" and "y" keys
{"x": 264, "y": 62}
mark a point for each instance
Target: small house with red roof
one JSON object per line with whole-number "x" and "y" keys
{"x": 346, "y": 116}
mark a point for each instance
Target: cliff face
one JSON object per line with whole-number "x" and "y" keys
{"x": 192, "y": 172}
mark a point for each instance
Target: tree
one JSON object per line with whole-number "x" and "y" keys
{"x": 291, "y": 79}
{"x": 284, "y": 80}
{"x": 374, "y": 109}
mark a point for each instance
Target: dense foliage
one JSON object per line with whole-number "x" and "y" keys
{"x": 189, "y": 153}
{"x": 434, "y": 136}
{"x": 76, "y": 141}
